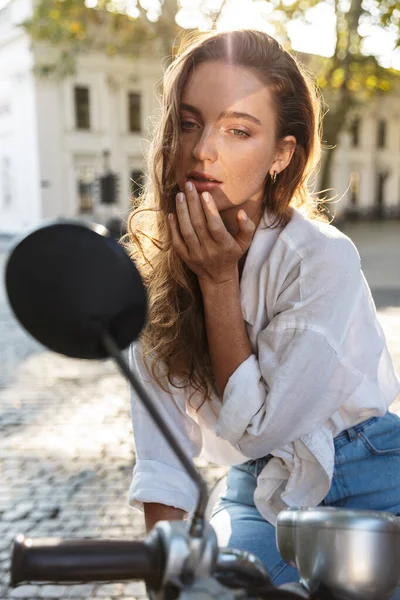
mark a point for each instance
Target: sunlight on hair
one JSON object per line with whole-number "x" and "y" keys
{"x": 229, "y": 44}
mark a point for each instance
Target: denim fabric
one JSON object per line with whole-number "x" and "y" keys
{"x": 366, "y": 476}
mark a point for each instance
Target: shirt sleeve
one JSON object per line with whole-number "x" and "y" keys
{"x": 158, "y": 475}
{"x": 300, "y": 377}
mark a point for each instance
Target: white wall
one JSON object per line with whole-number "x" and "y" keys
{"x": 19, "y": 158}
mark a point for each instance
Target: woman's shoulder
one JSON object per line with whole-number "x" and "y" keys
{"x": 314, "y": 240}
{"x": 149, "y": 366}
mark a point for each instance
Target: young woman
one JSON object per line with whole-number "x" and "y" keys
{"x": 262, "y": 347}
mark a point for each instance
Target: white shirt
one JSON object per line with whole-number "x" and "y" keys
{"x": 320, "y": 364}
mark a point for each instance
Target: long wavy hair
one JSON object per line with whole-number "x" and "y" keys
{"x": 175, "y": 334}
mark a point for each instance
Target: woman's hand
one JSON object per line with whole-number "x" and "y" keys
{"x": 202, "y": 240}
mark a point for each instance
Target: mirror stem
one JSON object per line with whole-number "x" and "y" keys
{"x": 197, "y": 525}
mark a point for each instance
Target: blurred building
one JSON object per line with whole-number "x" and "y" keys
{"x": 72, "y": 147}
{"x": 75, "y": 147}
{"x": 366, "y": 165}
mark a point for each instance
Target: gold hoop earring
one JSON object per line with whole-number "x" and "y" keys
{"x": 273, "y": 176}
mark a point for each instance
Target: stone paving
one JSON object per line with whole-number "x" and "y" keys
{"x": 66, "y": 450}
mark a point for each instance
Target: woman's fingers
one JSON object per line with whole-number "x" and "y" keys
{"x": 196, "y": 213}
{"x": 188, "y": 232}
{"x": 177, "y": 241}
{"x": 246, "y": 231}
{"x": 216, "y": 226}
{"x": 200, "y": 238}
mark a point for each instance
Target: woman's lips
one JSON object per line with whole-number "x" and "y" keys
{"x": 204, "y": 186}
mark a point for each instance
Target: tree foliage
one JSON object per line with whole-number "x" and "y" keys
{"x": 72, "y": 28}
{"x": 112, "y": 27}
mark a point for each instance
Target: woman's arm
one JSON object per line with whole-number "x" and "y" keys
{"x": 308, "y": 360}
{"x": 154, "y": 512}
{"x": 158, "y": 475}
{"x": 211, "y": 252}
{"x": 228, "y": 342}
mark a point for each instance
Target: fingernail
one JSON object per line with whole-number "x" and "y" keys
{"x": 243, "y": 215}
{"x": 206, "y": 197}
{"x": 180, "y": 197}
{"x": 189, "y": 186}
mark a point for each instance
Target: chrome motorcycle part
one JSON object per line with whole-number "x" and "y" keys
{"x": 353, "y": 553}
{"x": 187, "y": 558}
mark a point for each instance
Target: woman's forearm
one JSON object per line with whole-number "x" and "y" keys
{"x": 228, "y": 342}
{"x": 154, "y": 512}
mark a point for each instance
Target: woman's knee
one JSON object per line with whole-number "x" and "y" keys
{"x": 242, "y": 527}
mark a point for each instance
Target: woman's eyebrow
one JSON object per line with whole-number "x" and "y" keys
{"x": 226, "y": 114}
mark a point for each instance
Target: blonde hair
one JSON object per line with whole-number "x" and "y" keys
{"x": 175, "y": 333}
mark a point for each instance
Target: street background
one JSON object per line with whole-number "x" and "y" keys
{"x": 66, "y": 446}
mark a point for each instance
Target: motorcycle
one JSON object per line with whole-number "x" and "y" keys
{"x": 74, "y": 289}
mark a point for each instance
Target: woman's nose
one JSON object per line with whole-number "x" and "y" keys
{"x": 205, "y": 147}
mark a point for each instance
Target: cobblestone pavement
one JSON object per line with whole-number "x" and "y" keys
{"x": 66, "y": 451}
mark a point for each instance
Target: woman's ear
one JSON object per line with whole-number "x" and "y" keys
{"x": 284, "y": 152}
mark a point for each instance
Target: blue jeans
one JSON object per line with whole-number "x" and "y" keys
{"x": 366, "y": 476}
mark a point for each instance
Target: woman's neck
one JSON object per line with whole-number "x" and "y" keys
{"x": 229, "y": 217}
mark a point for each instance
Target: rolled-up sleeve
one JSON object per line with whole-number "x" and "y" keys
{"x": 158, "y": 475}
{"x": 300, "y": 376}
{"x": 244, "y": 397}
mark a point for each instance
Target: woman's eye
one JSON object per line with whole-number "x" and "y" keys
{"x": 187, "y": 124}
{"x": 190, "y": 125}
{"x": 240, "y": 133}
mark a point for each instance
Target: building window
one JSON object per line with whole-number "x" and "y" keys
{"x": 381, "y": 133}
{"x": 86, "y": 189}
{"x": 82, "y": 107}
{"x": 355, "y": 133}
{"x": 381, "y": 192}
{"x": 137, "y": 180}
{"x": 134, "y": 112}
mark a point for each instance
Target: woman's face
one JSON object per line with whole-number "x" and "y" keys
{"x": 228, "y": 134}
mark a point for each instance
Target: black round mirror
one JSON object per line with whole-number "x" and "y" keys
{"x": 69, "y": 282}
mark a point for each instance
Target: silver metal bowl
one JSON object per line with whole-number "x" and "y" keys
{"x": 355, "y": 553}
